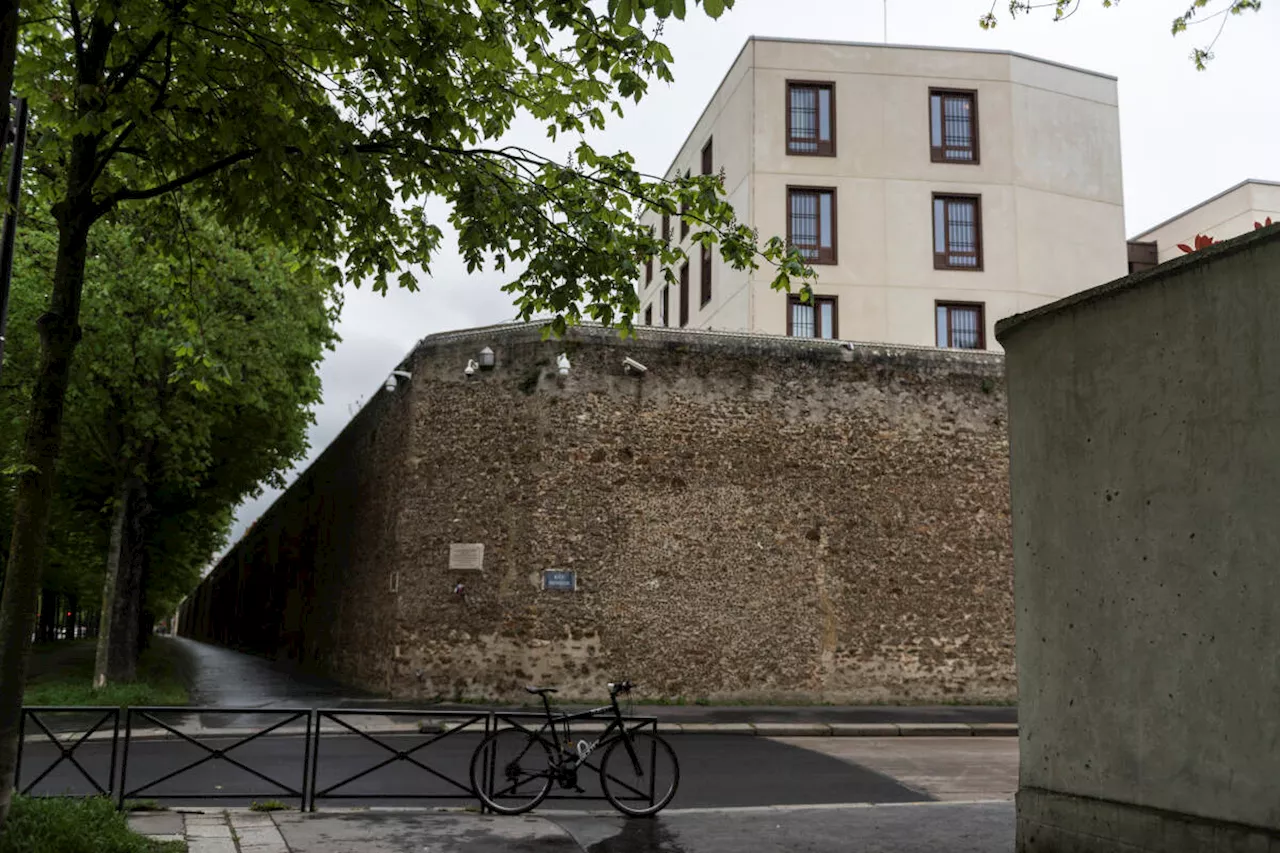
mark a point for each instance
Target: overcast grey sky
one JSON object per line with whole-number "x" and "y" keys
{"x": 1185, "y": 136}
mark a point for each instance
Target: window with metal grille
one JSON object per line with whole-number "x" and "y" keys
{"x": 811, "y": 118}
{"x": 648, "y": 315}
{"x": 707, "y": 165}
{"x": 953, "y": 126}
{"x": 706, "y": 276}
{"x": 811, "y": 223}
{"x": 684, "y": 294}
{"x": 813, "y": 319}
{"x": 665, "y": 305}
{"x": 961, "y": 325}
{"x": 957, "y": 232}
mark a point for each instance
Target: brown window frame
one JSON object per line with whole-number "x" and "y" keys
{"x": 814, "y": 301}
{"x": 648, "y": 315}
{"x": 705, "y": 284}
{"x": 708, "y": 157}
{"x": 942, "y": 261}
{"x": 982, "y": 321}
{"x": 684, "y": 294}
{"x": 666, "y": 305}
{"x": 938, "y": 153}
{"x": 823, "y": 148}
{"x": 833, "y": 252}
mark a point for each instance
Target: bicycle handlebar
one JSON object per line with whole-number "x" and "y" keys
{"x": 616, "y": 687}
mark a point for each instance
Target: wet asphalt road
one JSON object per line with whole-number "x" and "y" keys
{"x": 716, "y": 771}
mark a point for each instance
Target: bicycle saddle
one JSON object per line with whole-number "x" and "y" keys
{"x": 539, "y": 691}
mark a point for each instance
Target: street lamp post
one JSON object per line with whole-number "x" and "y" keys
{"x": 16, "y": 134}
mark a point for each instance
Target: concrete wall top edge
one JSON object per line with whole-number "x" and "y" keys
{"x": 1009, "y": 326}
{"x": 723, "y": 343}
{"x": 981, "y": 50}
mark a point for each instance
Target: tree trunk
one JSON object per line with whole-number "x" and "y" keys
{"x": 59, "y": 333}
{"x": 109, "y": 585}
{"x": 118, "y": 641}
{"x": 122, "y": 659}
{"x": 48, "y": 612}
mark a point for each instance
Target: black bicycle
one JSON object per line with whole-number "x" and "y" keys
{"x": 513, "y": 769}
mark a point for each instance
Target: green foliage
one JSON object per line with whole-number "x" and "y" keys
{"x": 62, "y": 674}
{"x": 327, "y": 126}
{"x": 196, "y": 372}
{"x": 70, "y": 825}
{"x": 1194, "y": 14}
{"x": 143, "y": 806}
{"x": 268, "y": 806}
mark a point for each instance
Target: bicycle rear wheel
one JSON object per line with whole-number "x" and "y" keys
{"x": 649, "y": 791}
{"x": 511, "y": 771}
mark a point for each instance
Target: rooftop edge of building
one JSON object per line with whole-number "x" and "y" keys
{"x": 1007, "y": 327}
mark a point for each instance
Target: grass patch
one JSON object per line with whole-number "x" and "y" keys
{"x": 268, "y": 806}
{"x": 66, "y": 825}
{"x": 62, "y": 674}
{"x": 144, "y": 806}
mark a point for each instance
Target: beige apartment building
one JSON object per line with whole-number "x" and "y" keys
{"x": 934, "y": 191}
{"x": 1228, "y": 214}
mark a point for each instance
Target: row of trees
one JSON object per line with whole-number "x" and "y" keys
{"x": 194, "y": 382}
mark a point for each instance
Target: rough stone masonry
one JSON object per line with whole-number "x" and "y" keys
{"x": 751, "y": 518}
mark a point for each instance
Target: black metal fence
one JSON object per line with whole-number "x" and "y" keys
{"x": 297, "y": 755}
{"x": 211, "y": 748}
{"x": 415, "y": 780}
{"x": 64, "y": 732}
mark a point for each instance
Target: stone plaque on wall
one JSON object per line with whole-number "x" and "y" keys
{"x": 560, "y": 581}
{"x": 466, "y": 557}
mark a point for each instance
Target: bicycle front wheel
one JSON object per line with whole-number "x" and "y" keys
{"x": 649, "y": 791}
{"x": 511, "y": 771}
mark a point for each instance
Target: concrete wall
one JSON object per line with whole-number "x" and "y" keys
{"x": 1048, "y": 175}
{"x": 1222, "y": 217}
{"x": 755, "y": 518}
{"x": 726, "y": 123}
{"x": 1145, "y": 467}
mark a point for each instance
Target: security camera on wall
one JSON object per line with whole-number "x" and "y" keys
{"x": 630, "y": 365}
{"x": 390, "y": 384}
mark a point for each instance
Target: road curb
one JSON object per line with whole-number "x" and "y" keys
{"x": 795, "y": 729}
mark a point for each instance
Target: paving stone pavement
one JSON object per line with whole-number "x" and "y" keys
{"x": 933, "y": 827}
{"x": 226, "y": 831}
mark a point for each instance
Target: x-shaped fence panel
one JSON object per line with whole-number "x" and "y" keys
{"x": 283, "y": 749}
{"x": 443, "y": 774}
{"x": 67, "y": 747}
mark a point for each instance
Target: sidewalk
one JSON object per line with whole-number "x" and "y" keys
{"x": 975, "y": 827}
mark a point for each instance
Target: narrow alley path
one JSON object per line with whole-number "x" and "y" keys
{"x": 223, "y": 678}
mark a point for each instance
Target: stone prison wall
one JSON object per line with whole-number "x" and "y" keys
{"x": 753, "y": 518}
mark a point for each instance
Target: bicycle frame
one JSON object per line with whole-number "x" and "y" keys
{"x": 563, "y": 745}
